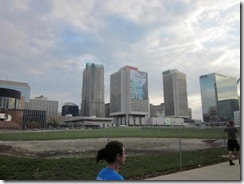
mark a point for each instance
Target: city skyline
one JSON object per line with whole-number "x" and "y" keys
{"x": 48, "y": 43}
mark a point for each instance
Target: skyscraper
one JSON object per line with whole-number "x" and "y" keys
{"x": 175, "y": 94}
{"x": 129, "y": 96}
{"x": 219, "y": 97}
{"x": 92, "y": 103}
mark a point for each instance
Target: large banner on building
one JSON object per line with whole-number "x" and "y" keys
{"x": 138, "y": 85}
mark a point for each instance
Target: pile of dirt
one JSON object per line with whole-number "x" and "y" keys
{"x": 89, "y": 147}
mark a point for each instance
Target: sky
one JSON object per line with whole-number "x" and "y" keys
{"x": 46, "y": 43}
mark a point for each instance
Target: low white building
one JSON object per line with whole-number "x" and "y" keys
{"x": 87, "y": 122}
{"x": 163, "y": 121}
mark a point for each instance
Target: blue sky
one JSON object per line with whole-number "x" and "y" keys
{"x": 46, "y": 43}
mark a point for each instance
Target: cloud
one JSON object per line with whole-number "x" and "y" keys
{"x": 47, "y": 43}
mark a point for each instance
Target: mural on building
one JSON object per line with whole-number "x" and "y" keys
{"x": 138, "y": 85}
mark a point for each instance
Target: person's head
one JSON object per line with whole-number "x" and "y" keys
{"x": 231, "y": 123}
{"x": 113, "y": 152}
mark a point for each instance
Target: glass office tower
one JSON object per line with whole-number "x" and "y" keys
{"x": 219, "y": 97}
{"x": 92, "y": 103}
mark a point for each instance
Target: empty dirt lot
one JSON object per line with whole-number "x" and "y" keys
{"x": 89, "y": 147}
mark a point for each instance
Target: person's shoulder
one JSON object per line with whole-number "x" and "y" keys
{"x": 101, "y": 174}
{"x": 109, "y": 174}
{"x": 102, "y": 170}
{"x": 115, "y": 176}
{"x": 119, "y": 176}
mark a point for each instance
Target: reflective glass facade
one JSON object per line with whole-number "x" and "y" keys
{"x": 70, "y": 109}
{"x": 9, "y": 103}
{"x": 24, "y": 88}
{"x": 9, "y": 99}
{"x": 219, "y": 97}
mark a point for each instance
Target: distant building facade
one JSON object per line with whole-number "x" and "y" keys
{"x": 175, "y": 94}
{"x": 219, "y": 97}
{"x": 92, "y": 103}
{"x": 70, "y": 109}
{"x": 23, "y": 87}
{"x": 9, "y": 102}
{"x": 18, "y": 118}
{"x": 22, "y": 119}
{"x": 237, "y": 118}
{"x": 107, "y": 110}
{"x": 9, "y": 98}
{"x": 43, "y": 104}
{"x": 87, "y": 122}
{"x": 157, "y": 110}
{"x": 190, "y": 113}
{"x": 34, "y": 119}
{"x": 129, "y": 102}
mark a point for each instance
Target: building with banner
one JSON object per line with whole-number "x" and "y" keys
{"x": 129, "y": 102}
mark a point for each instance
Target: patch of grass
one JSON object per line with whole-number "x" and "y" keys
{"x": 157, "y": 132}
{"x": 135, "y": 168}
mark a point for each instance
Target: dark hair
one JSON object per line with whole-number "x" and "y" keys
{"x": 231, "y": 122}
{"x": 110, "y": 151}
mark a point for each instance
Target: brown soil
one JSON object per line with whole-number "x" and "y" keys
{"x": 89, "y": 147}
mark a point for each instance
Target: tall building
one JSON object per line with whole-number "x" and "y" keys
{"x": 175, "y": 94}
{"x": 92, "y": 103}
{"x": 219, "y": 97}
{"x": 190, "y": 113}
{"x": 107, "y": 110}
{"x": 23, "y": 87}
{"x": 129, "y": 102}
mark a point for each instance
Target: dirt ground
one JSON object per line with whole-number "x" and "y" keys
{"x": 89, "y": 147}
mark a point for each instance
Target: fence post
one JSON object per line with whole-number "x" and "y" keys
{"x": 20, "y": 135}
{"x": 180, "y": 148}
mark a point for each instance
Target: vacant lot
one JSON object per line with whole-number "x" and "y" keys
{"x": 89, "y": 147}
